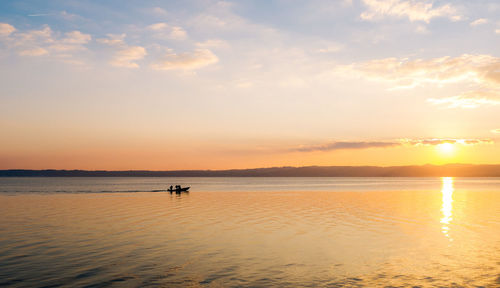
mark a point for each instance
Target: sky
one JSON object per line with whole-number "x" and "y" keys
{"x": 168, "y": 85}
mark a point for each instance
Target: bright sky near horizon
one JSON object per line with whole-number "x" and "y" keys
{"x": 165, "y": 85}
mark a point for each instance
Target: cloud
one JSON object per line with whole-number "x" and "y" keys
{"x": 497, "y": 31}
{"x": 478, "y": 22}
{"x": 33, "y": 37}
{"x": 159, "y": 11}
{"x": 212, "y": 21}
{"x": 406, "y": 73}
{"x": 421, "y": 29}
{"x": 74, "y": 40}
{"x": 158, "y": 26}
{"x": 63, "y": 14}
{"x": 197, "y": 59}
{"x": 332, "y": 48}
{"x": 480, "y": 72}
{"x": 413, "y": 10}
{"x": 76, "y": 37}
{"x": 212, "y": 43}
{"x": 345, "y": 145}
{"x": 438, "y": 141}
{"x": 38, "y": 51}
{"x": 164, "y": 30}
{"x": 69, "y": 16}
{"x": 178, "y": 33}
{"x": 40, "y": 14}
{"x": 44, "y": 42}
{"x": 496, "y": 131}
{"x": 469, "y": 100}
{"x": 127, "y": 57}
{"x": 113, "y": 39}
{"x": 358, "y": 145}
{"x": 6, "y": 29}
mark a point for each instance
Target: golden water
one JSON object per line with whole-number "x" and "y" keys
{"x": 443, "y": 237}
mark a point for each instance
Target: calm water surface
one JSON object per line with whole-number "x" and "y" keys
{"x": 250, "y": 232}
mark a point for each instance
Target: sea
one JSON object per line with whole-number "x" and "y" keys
{"x": 250, "y": 232}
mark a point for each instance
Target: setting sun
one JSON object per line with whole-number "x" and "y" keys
{"x": 446, "y": 148}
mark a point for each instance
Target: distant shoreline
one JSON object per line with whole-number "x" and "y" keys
{"x": 448, "y": 170}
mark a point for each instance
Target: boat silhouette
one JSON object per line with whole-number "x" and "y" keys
{"x": 178, "y": 189}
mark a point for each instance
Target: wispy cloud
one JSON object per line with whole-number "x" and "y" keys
{"x": 421, "y": 29}
{"x": 6, "y": 29}
{"x": 471, "y": 99}
{"x": 496, "y": 131}
{"x": 158, "y": 26}
{"x": 478, "y": 22}
{"x": 38, "y": 51}
{"x": 439, "y": 141}
{"x": 124, "y": 55}
{"x": 414, "y": 10}
{"x": 197, "y": 59}
{"x": 113, "y": 39}
{"x": 63, "y": 14}
{"x": 342, "y": 145}
{"x": 168, "y": 31}
{"x": 76, "y": 37}
{"x": 127, "y": 57}
{"x": 43, "y": 41}
{"x": 406, "y": 73}
{"x": 74, "y": 40}
{"x": 40, "y": 14}
{"x": 479, "y": 71}
{"x": 69, "y": 16}
{"x": 359, "y": 145}
{"x": 331, "y": 48}
{"x": 213, "y": 43}
{"x": 159, "y": 11}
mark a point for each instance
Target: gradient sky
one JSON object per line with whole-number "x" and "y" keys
{"x": 165, "y": 85}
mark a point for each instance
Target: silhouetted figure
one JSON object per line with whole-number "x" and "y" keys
{"x": 178, "y": 189}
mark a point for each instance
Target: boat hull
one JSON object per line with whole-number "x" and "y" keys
{"x": 178, "y": 190}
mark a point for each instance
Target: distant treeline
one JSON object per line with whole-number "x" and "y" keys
{"x": 453, "y": 170}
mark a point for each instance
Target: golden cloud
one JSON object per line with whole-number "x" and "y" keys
{"x": 472, "y": 99}
{"x": 127, "y": 57}
{"x": 481, "y": 72}
{"x": 187, "y": 61}
{"x": 478, "y": 22}
{"x": 165, "y": 30}
{"x": 406, "y": 73}
{"x": 358, "y": 145}
{"x": 43, "y": 41}
{"x": 6, "y": 29}
{"x": 113, "y": 39}
{"x": 413, "y": 10}
{"x": 438, "y": 141}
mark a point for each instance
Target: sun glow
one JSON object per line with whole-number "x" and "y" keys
{"x": 446, "y": 148}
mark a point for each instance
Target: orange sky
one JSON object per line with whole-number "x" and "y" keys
{"x": 218, "y": 85}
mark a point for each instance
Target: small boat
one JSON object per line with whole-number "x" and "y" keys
{"x": 178, "y": 190}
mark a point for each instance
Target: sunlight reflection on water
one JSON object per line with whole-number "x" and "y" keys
{"x": 447, "y": 206}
